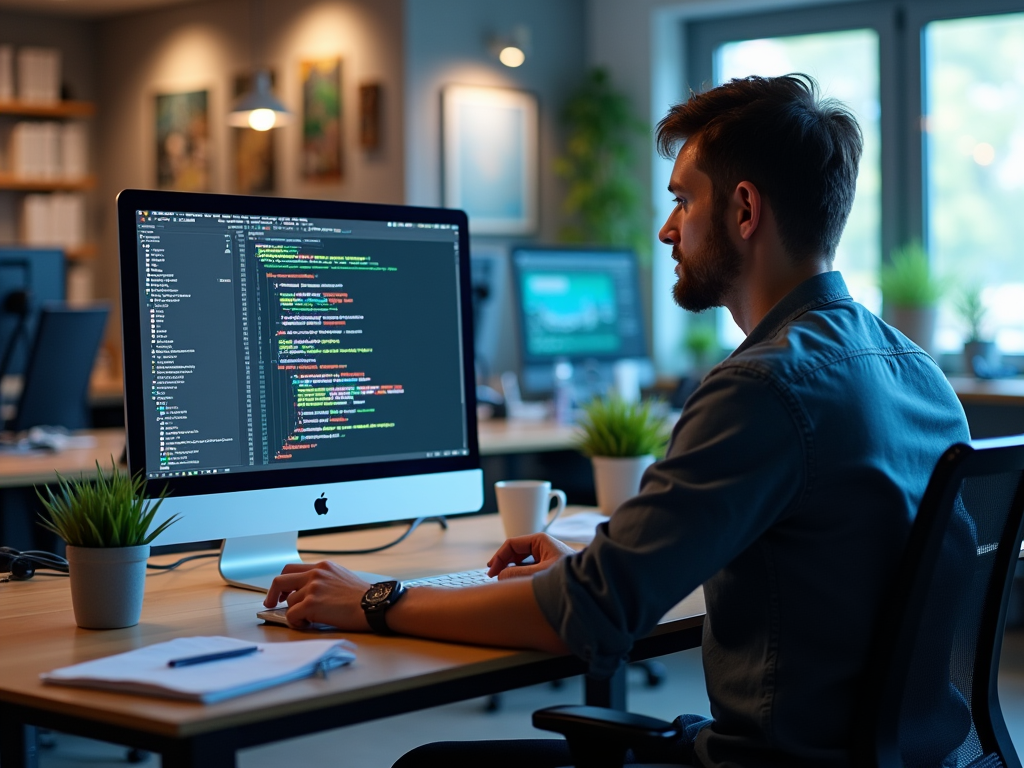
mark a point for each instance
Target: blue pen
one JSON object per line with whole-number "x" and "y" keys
{"x": 190, "y": 660}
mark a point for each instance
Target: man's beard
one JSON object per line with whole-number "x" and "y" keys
{"x": 710, "y": 271}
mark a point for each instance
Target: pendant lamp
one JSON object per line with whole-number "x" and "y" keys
{"x": 259, "y": 108}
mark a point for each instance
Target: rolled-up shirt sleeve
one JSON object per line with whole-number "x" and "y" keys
{"x": 738, "y": 460}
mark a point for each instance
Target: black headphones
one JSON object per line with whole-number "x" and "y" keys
{"x": 23, "y": 565}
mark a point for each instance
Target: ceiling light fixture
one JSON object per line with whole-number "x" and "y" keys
{"x": 258, "y": 109}
{"x": 513, "y": 48}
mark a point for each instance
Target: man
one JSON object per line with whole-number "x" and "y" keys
{"x": 792, "y": 476}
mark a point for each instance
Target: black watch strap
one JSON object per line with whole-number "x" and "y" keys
{"x": 375, "y": 605}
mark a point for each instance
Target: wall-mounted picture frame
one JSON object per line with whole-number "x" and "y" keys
{"x": 490, "y": 159}
{"x": 321, "y": 120}
{"x": 183, "y": 141}
{"x": 370, "y": 107}
{"x": 253, "y": 150}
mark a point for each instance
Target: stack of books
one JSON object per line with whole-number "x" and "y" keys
{"x": 56, "y": 219}
{"x": 49, "y": 150}
{"x": 6, "y": 73}
{"x": 38, "y": 75}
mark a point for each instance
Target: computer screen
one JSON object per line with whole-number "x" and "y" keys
{"x": 580, "y": 305}
{"x": 30, "y": 278}
{"x": 293, "y": 365}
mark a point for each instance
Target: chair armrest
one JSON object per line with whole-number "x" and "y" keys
{"x": 596, "y": 724}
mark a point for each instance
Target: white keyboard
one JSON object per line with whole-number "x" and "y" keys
{"x": 452, "y": 580}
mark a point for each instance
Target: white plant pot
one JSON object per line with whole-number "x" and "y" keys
{"x": 917, "y": 324}
{"x": 617, "y": 479}
{"x": 107, "y": 585}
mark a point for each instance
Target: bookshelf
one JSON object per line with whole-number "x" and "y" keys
{"x": 63, "y": 110}
{"x": 11, "y": 183}
{"x": 15, "y": 184}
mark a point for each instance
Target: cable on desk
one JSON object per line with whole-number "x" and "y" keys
{"x": 39, "y": 558}
{"x": 172, "y": 566}
{"x": 439, "y": 519}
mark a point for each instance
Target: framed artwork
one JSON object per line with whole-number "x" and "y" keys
{"x": 321, "y": 120}
{"x": 369, "y": 116}
{"x": 254, "y": 150}
{"x": 183, "y": 141}
{"x": 489, "y": 148}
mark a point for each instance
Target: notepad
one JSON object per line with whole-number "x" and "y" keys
{"x": 146, "y": 670}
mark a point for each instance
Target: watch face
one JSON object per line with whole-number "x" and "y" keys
{"x": 379, "y": 593}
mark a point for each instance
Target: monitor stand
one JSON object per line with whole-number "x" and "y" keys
{"x": 252, "y": 562}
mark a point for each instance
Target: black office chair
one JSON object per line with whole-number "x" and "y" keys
{"x": 929, "y": 695}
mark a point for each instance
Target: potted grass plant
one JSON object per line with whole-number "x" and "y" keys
{"x": 105, "y": 523}
{"x": 622, "y": 439}
{"x": 911, "y": 293}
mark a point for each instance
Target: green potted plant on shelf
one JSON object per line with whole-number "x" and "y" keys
{"x": 622, "y": 439}
{"x": 105, "y": 523}
{"x": 911, "y": 293}
{"x": 971, "y": 309}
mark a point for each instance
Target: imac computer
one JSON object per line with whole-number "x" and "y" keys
{"x": 581, "y": 305}
{"x": 294, "y": 365}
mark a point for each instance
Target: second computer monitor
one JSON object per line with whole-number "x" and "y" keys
{"x": 30, "y": 278}
{"x": 579, "y": 305}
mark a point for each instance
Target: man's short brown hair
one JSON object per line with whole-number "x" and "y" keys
{"x": 800, "y": 151}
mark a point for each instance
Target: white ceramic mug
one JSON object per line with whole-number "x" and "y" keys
{"x": 524, "y": 505}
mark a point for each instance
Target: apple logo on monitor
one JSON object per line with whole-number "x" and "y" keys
{"x": 320, "y": 505}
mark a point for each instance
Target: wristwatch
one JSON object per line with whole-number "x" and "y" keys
{"x": 376, "y": 602}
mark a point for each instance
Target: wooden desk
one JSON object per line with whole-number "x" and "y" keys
{"x": 500, "y": 436}
{"x": 19, "y": 470}
{"x": 390, "y": 676}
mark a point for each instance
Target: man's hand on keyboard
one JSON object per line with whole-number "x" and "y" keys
{"x": 544, "y": 549}
{"x": 324, "y": 593}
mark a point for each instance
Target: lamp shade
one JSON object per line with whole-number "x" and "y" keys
{"x": 259, "y": 108}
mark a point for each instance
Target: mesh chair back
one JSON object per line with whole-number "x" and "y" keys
{"x": 931, "y": 699}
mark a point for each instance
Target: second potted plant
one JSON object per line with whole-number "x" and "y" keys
{"x": 105, "y": 523}
{"x": 622, "y": 439}
{"x": 972, "y": 311}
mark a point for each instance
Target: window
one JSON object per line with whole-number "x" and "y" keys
{"x": 974, "y": 169}
{"x": 938, "y": 89}
{"x": 845, "y": 64}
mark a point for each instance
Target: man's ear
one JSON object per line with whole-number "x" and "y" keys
{"x": 748, "y": 206}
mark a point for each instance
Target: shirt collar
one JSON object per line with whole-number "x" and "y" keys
{"x": 810, "y": 294}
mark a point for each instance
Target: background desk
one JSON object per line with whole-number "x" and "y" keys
{"x": 497, "y": 437}
{"x": 994, "y": 407}
{"x": 390, "y": 676}
{"x": 509, "y": 450}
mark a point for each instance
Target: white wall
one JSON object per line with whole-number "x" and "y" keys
{"x": 446, "y": 43}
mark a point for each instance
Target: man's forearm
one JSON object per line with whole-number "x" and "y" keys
{"x": 503, "y": 614}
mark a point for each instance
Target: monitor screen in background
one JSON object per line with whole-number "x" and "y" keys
{"x": 39, "y": 273}
{"x": 580, "y": 305}
{"x": 570, "y": 314}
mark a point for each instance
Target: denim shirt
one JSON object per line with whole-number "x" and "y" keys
{"x": 788, "y": 491}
